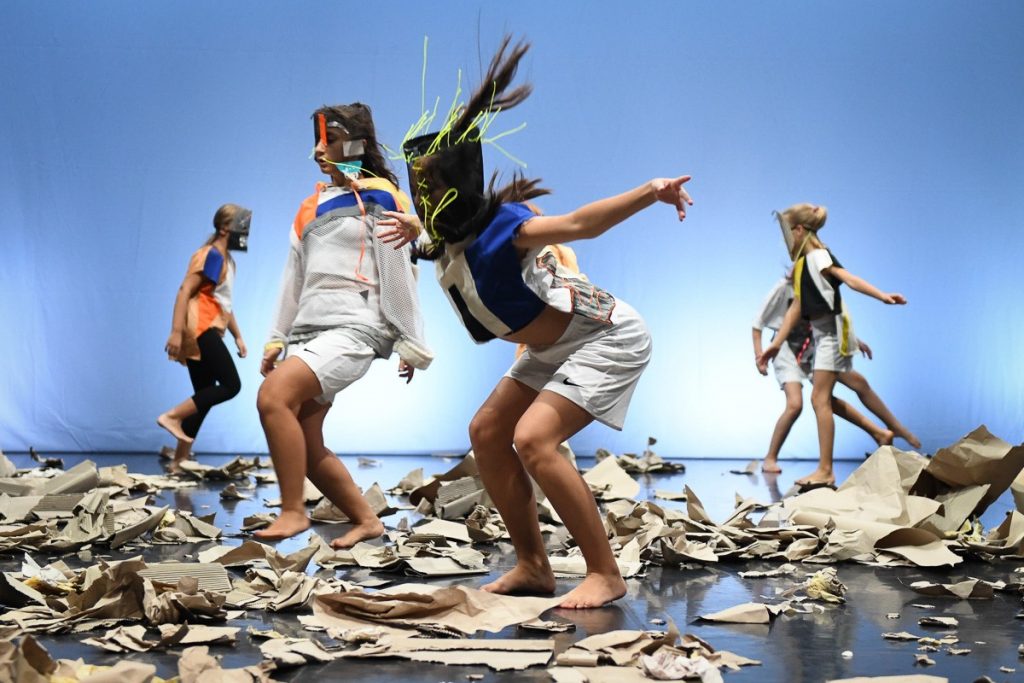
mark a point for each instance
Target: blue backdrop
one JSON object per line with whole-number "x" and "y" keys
{"x": 123, "y": 125}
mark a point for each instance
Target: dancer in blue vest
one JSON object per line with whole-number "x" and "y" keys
{"x": 585, "y": 348}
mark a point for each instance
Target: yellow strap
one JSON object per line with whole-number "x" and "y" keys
{"x": 798, "y": 271}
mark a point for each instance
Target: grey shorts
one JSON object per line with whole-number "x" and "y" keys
{"x": 788, "y": 369}
{"x": 337, "y": 358}
{"x": 593, "y": 364}
{"x": 826, "y": 347}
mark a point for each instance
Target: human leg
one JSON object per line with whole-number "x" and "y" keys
{"x": 794, "y": 405}
{"x": 282, "y": 394}
{"x": 821, "y": 401}
{"x": 329, "y": 474}
{"x": 842, "y": 409}
{"x": 549, "y": 420}
{"x": 856, "y": 381}
{"x": 218, "y": 379}
{"x": 491, "y": 433}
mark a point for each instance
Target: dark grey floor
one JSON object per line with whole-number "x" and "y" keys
{"x": 795, "y": 648}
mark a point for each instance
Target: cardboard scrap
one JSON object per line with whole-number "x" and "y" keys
{"x": 669, "y": 665}
{"x": 747, "y": 613}
{"x": 913, "y": 678}
{"x": 964, "y": 590}
{"x": 498, "y": 654}
{"x": 751, "y": 469}
{"x": 29, "y": 662}
{"x": 238, "y": 468}
{"x": 609, "y": 481}
{"x": 407, "y": 607}
{"x": 646, "y": 463}
{"x": 197, "y": 666}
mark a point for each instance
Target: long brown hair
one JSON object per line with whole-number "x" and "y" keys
{"x": 491, "y": 96}
{"x": 358, "y": 121}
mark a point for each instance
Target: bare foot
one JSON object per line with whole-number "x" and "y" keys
{"x": 173, "y": 425}
{"x": 816, "y": 479}
{"x": 911, "y": 439}
{"x": 596, "y": 590}
{"x": 885, "y": 437}
{"x": 174, "y": 467}
{"x": 285, "y": 526}
{"x": 523, "y": 580}
{"x": 770, "y": 466}
{"x": 360, "y": 532}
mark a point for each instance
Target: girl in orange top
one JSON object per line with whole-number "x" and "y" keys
{"x": 202, "y": 311}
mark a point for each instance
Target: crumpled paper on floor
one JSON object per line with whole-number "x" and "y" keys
{"x": 407, "y": 607}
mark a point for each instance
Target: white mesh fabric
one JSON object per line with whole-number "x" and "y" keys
{"x": 321, "y": 289}
{"x": 326, "y": 284}
{"x": 288, "y": 298}
{"x": 400, "y": 302}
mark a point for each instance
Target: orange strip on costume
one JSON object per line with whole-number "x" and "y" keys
{"x": 362, "y": 237}
{"x": 307, "y": 210}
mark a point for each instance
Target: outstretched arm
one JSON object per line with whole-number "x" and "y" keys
{"x": 597, "y": 217}
{"x": 861, "y": 285}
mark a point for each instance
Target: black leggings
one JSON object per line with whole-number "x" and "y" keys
{"x": 214, "y": 379}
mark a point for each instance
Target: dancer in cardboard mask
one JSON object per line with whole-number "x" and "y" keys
{"x": 817, "y": 276}
{"x": 794, "y": 365}
{"x": 585, "y": 349}
{"x": 345, "y": 301}
{"x": 202, "y": 312}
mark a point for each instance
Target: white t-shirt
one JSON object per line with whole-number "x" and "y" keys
{"x": 775, "y": 305}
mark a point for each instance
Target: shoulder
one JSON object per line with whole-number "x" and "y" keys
{"x": 213, "y": 264}
{"x": 511, "y": 215}
{"x": 819, "y": 259}
{"x": 307, "y": 210}
{"x": 384, "y": 193}
{"x": 198, "y": 258}
{"x": 502, "y": 228}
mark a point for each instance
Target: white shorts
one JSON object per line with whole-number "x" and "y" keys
{"x": 337, "y": 358}
{"x": 826, "y": 347}
{"x": 593, "y": 364}
{"x": 788, "y": 369}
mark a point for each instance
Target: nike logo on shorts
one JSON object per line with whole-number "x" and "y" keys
{"x": 571, "y": 384}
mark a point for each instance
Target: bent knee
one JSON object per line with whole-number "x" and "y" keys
{"x": 232, "y": 389}
{"x": 486, "y": 430}
{"x": 533, "y": 447}
{"x": 268, "y": 400}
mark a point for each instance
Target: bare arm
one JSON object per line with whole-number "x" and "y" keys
{"x": 757, "y": 351}
{"x": 237, "y": 334}
{"x": 595, "y": 218}
{"x": 189, "y": 287}
{"x": 788, "y": 323}
{"x": 861, "y": 285}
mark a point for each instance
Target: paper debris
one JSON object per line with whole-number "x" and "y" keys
{"x": 971, "y": 588}
{"x": 752, "y": 467}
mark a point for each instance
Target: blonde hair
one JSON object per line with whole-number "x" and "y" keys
{"x": 813, "y": 218}
{"x": 221, "y": 219}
